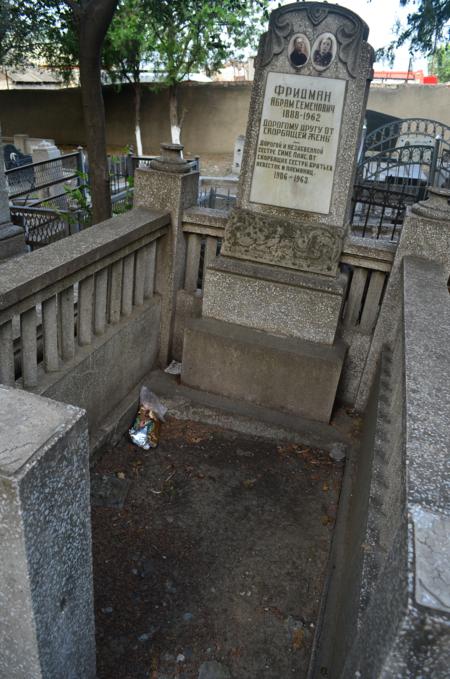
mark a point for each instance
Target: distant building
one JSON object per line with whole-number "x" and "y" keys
{"x": 31, "y": 78}
{"x": 235, "y": 71}
{"x": 416, "y": 77}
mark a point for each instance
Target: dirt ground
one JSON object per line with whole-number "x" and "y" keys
{"x": 214, "y": 566}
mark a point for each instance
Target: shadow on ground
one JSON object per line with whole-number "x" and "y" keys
{"x": 214, "y": 566}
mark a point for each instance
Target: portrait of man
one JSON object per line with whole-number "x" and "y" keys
{"x": 324, "y": 51}
{"x": 299, "y": 50}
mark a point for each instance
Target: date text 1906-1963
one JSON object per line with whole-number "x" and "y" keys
{"x": 298, "y": 141}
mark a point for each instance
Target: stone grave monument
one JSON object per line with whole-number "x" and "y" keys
{"x": 273, "y": 298}
{"x": 12, "y": 240}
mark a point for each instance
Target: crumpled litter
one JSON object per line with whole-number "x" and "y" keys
{"x": 146, "y": 428}
{"x": 174, "y": 368}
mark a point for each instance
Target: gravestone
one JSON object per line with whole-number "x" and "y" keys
{"x": 52, "y": 171}
{"x": 12, "y": 241}
{"x": 272, "y": 300}
{"x": 237, "y": 154}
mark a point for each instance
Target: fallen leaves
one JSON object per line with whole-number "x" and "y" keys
{"x": 298, "y": 637}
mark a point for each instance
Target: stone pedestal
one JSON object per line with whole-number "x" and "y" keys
{"x": 273, "y": 298}
{"x": 170, "y": 184}
{"x": 286, "y": 374}
{"x": 280, "y": 301}
{"x": 425, "y": 234}
{"x": 46, "y": 594}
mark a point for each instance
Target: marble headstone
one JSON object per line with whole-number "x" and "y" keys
{"x": 306, "y": 114}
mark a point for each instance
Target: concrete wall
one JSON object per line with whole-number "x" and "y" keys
{"x": 412, "y": 101}
{"x": 216, "y": 113}
{"x": 388, "y": 612}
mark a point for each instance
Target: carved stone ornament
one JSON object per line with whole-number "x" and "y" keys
{"x": 281, "y": 242}
{"x": 349, "y": 37}
{"x": 436, "y": 206}
{"x": 171, "y": 159}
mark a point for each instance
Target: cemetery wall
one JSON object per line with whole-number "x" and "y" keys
{"x": 216, "y": 113}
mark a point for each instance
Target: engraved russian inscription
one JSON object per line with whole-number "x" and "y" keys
{"x": 297, "y": 142}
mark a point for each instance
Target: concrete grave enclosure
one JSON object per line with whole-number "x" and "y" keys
{"x": 292, "y": 314}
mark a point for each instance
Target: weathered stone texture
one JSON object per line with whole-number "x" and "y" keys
{"x": 173, "y": 192}
{"x": 46, "y": 597}
{"x": 353, "y": 64}
{"x": 285, "y": 303}
{"x": 285, "y": 374}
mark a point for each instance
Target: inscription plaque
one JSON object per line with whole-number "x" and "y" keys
{"x": 298, "y": 141}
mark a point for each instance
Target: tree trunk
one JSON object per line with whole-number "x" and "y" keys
{"x": 175, "y": 124}
{"x": 92, "y": 20}
{"x": 137, "y": 118}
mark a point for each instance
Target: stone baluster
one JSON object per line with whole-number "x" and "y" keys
{"x": 372, "y": 302}
{"x": 101, "y": 301}
{"x": 115, "y": 298}
{"x": 6, "y": 354}
{"x": 355, "y": 295}
{"x": 192, "y": 262}
{"x": 50, "y": 334}
{"x": 127, "y": 284}
{"x": 67, "y": 324}
{"x": 29, "y": 347}
{"x": 210, "y": 251}
{"x": 139, "y": 277}
{"x": 150, "y": 266}
{"x": 85, "y": 310}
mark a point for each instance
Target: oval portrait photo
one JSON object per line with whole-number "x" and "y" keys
{"x": 324, "y": 51}
{"x": 299, "y": 50}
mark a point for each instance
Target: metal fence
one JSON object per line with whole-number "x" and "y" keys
{"x": 399, "y": 162}
{"x": 218, "y": 193}
{"x": 35, "y": 182}
{"x": 42, "y": 225}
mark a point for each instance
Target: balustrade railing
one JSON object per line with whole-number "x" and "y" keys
{"x": 204, "y": 229}
{"x": 368, "y": 265}
{"x": 112, "y": 268}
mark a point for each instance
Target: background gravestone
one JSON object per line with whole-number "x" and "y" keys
{"x": 12, "y": 241}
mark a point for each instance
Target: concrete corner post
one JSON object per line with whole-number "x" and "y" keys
{"x": 12, "y": 240}
{"x": 425, "y": 234}
{"x": 46, "y": 594}
{"x": 169, "y": 184}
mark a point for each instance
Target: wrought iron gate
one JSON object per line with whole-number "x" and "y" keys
{"x": 399, "y": 162}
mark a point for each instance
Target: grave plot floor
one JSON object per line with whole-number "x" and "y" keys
{"x": 214, "y": 566}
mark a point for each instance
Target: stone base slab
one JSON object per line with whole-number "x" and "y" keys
{"x": 276, "y": 300}
{"x": 286, "y": 374}
{"x": 12, "y": 241}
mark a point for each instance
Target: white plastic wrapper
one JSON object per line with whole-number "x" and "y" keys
{"x": 146, "y": 428}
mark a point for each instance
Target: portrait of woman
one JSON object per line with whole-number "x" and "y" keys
{"x": 299, "y": 50}
{"x": 324, "y": 51}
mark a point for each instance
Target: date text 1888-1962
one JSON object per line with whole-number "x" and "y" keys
{"x": 298, "y": 141}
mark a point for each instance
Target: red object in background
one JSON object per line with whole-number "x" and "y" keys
{"x": 415, "y": 76}
{"x": 430, "y": 80}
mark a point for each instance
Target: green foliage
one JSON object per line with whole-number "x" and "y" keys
{"x": 175, "y": 37}
{"x": 22, "y": 25}
{"x": 129, "y": 42}
{"x": 191, "y": 35}
{"x": 427, "y": 26}
{"x": 439, "y": 63}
